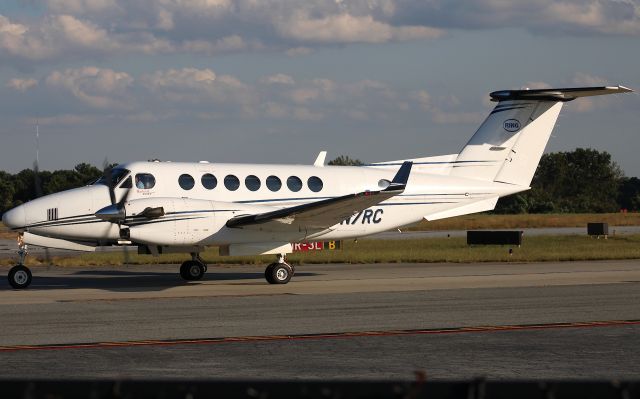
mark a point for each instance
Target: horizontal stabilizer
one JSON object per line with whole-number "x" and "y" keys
{"x": 487, "y": 204}
{"x": 566, "y": 94}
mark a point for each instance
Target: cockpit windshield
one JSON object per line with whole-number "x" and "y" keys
{"x": 117, "y": 174}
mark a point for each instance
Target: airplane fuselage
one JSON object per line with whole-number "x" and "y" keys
{"x": 199, "y": 198}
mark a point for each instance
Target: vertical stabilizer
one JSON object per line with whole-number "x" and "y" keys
{"x": 523, "y": 158}
{"x": 509, "y": 144}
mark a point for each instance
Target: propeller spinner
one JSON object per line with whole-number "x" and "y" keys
{"x": 114, "y": 213}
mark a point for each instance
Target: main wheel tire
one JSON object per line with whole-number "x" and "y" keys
{"x": 19, "y": 277}
{"x": 281, "y": 273}
{"x": 268, "y": 273}
{"x": 192, "y": 270}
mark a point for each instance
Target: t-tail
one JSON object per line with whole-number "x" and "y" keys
{"x": 509, "y": 144}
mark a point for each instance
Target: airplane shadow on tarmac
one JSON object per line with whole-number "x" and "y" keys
{"x": 134, "y": 281}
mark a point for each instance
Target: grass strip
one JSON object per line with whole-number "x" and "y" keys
{"x": 524, "y": 221}
{"x": 428, "y": 250}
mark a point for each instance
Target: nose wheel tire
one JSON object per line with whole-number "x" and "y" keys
{"x": 278, "y": 273}
{"x": 192, "y": 270}
{"x": 19, "y": 277}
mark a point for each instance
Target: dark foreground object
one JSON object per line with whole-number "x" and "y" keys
{"x": 598, "y": 229}
{"x": 494, "y": 237}
{"x": 348, "y": 389}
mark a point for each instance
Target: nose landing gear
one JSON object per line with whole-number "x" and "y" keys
{"x": 20, "y": 275}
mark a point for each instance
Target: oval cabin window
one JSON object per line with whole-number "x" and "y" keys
{"x": 274, "y": 183}
{"x": 231, "y": 182}
{"x": 314, "y": 183}
{"x": 294, "y": 183}
{"x": 209, "y": 181}
{"x": 186, "y": 182}
{"x": 252, "y": 182}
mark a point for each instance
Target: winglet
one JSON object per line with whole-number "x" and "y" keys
{"x": 401, "y": 178}
{"x": 320, "y": 159}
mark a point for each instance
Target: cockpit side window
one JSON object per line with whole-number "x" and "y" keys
{"x": 145, "y": 181}
{"x": 126, "y": 183}
{"x": 117, "y": 174}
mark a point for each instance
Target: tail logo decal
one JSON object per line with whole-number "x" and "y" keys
{"x": 511, "y": 125}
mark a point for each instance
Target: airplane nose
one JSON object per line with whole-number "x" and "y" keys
{"x": 15, "y": 218}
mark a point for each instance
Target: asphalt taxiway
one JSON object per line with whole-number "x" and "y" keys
{"x": 383, "y": 321}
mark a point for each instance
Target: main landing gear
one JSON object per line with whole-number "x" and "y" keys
{"x": 20, "y": 275}
{"x": 194, "y": 269}
{"x": 279, "y": 272}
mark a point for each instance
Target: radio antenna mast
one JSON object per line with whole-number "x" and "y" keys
{"x": 37, "y": 143}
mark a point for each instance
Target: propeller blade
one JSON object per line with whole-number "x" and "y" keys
{"x": 125, "y": 253}
{"x": 47, "y": 257}
{"x": 124, "y": 199}
{"x": 108, "y": 178}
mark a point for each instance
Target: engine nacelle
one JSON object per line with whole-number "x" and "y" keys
{"x": 175, "y": 221}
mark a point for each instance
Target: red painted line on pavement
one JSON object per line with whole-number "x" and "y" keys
{"x": 341, "y": 335}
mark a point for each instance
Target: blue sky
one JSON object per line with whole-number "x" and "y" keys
{"x": 277, "y": 81}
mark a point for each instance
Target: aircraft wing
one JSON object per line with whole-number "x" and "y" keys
{"x": 320, "y": 215}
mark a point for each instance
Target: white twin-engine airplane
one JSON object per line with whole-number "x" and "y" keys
{"x": 252, "y": 209}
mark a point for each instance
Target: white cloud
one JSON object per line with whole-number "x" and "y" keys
{"x": 445, "y": 109}
{"x": 298, "y": 51}
{"x": 620, "y": 17}
{"x": 588, "y": 104}
{"x": 93, "y": 86}
{"x": 80, "y": 33}
{"x": 278, "y": 78}
{"x": 80, "y": 7}
{"x": 197, "y": 85}
{"x": 584, "y": 79}
{"x": 346, "y": 28}
{"x": 225, "y": 44}
{"x": 448, "y": 117}
{"x": 536, "y": 85}
{"x": 57, "y": 35}
{"x": 65, "y": 120}
{"x": 181, "y": 78}
{"x": 165, "y": 20}
{"x": 305, "y": 114}
{"x": 99, "y": 28}
{"x": 201, "y": 93}
{"x": 22, "y": 84}
{"x": 601, "y": 17}
{"x": 423, "y": 98}
{"x": 314, "y": 90}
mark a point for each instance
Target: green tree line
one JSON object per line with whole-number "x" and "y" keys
{"x": 27, "y": 184}
{"x": 579, "y": 181}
